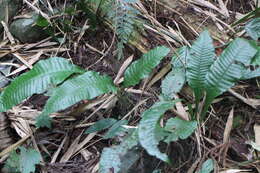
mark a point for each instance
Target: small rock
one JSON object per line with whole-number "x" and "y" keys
{"x": 10, "y": 8}
{"x": 27, "y": 31}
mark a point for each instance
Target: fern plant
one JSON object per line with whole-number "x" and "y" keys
{"x": 210, "y": 75}
{"x": 120, "y": 14}
{"x": 68, "y": 84}
{"x": 205, "y": 75}
{"x": 124, "y": 20}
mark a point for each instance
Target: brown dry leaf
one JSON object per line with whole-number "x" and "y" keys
{"x": 159, "y": 75}
{"x": 254, "y": 103}
{"x": 181, "y": 110}
{"x": 257, "y": 134}
{"x": 14, "y": 146}
{"x": 32, "y": 60}
{"x": 209, "y": 5}
{"x": 228, "y": 127}
{"x": 71, "y": 150}
{"x": 223, "y": 8}
{"x": 122, "y": 69}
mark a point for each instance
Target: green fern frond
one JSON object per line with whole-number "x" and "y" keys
{"x": 202, "y": 55}
{"x": 141, "y": 68}
{"x": 113, "y": 157}
{"x": 175, "y": 79}
{"x": 124, "y": 19}
{"x": 86, "y": 86}
{"x": 45, "y": 74}
{"x": 149, "y": 128}
{"x": 228, "y": 69}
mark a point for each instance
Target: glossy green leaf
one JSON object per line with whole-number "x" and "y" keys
{"x": 45, "y": 74}
{"x": 24, "y": 162}
{"x": 202, "y": 55}
{"x": 101, "y": 125}
{"x": 175, "y": 79}
{"x": 248, "y": 74}
{"x": 41, "y": 21}
{"x": 253, "y": 28}
{"x": 141, "y": 68}
{"x": 173, "y": 83}
{"x": 181, "y": 58}
{"x": 256, "y": 59}
{"x": 149, "y": 126}
{"x": 86, "y": 86}
{"x": 111, "y": 158}
{"x": 229, "y": 68}
{"x": 28, "y": 159}
{"x": 179, "y": 128}
{"x": 12, "y": 163}
{"x": 207, "y": 166}
{"x": 43, "y": 121}
{"x": 116, "y": 129}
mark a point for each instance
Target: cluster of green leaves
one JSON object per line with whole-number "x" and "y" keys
{"x": 122, "y": 16}
{"x": 208, "y": 74}
{"x": 120, "y": 13}
{"x": 205, "y": 74}
{"x": 23, "y": 162}
{"x": 124, "y": 20}
{"x": 148, "y": 135}
{"x": 114, "y": 127}
{"x": 253, "y": 28}
{"x": 68, "y": 84}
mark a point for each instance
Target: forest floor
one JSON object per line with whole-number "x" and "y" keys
{"x": 65, "y": 148}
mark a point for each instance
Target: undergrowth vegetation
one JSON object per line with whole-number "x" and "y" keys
{"x": 208, "y": 76}
{"x": 123, "y": 18}
{"x": 122, "y": 86}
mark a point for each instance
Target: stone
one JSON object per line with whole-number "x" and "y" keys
{"x": 9, "y": 8}
{"x": 26, "y": 30}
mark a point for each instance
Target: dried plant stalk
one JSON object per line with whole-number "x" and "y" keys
{"x": 5, "y": 135}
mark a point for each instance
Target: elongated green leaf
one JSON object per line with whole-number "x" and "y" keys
{"x": 181, "y": 58}
{"x": 43, "y": 120}
{"x": 24, "y": 162}
{"x": 175, "y": 79}
{"x": 45, "y": 74}
{"x": 101, "y": 125}
{"x": 173, "y": 83}
{"x": 149, "y": 126}
{"x": 179, "y": 128}
{"x": 248, "y": 74}
{"x": 28, "y": 159}
{"x": 142, "y": 68}
{"x": 111, "y": 158}
{"x": 86, "y": 86}
{"x": 202, "y": 55}
{"x": 227, "y": 69}
{"x": 256, "y": 59}
{"x": 116, "y": 129}
{"x": 253, "y": 28}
